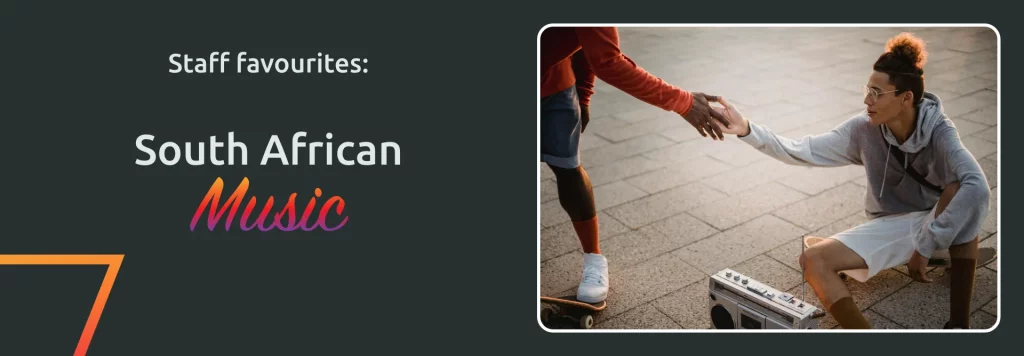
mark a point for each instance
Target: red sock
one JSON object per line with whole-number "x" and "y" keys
{"x": 587, "y": 232}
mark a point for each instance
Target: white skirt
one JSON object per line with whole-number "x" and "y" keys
{"x": 884, "y": 242}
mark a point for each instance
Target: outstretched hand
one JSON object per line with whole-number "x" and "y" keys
{"x": 704, "y": 118}
{"x": 738, "y": 124}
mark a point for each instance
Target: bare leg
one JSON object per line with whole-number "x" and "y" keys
{"x": 577, "y": 198}
{"x": 964, "y": 262}
{"x": 822, "y": 263}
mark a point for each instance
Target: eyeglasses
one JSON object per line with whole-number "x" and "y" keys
{"x": 873, "y": 94}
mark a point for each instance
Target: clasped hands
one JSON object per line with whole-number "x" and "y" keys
{"x": 716, "y": 121}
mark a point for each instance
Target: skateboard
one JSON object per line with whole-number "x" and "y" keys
{"x": 568, "y": 308}
{"x": 940, "y": 259}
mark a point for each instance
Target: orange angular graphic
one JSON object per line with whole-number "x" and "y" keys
{"x": 113, "y": 263}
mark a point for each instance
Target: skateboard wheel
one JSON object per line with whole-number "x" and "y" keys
{"x": 587, "y": 321}
{"x": 545, "y": 316}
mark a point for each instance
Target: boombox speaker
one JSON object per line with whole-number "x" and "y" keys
{"x": 740, "y": 302}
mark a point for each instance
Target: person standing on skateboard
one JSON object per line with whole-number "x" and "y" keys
{"x": 571, "y": 58}
{"x": 925, "y": 191}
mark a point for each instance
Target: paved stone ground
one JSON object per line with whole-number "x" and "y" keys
{"x": 675, "y": 207}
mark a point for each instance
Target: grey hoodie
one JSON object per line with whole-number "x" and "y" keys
{"x": 933, "y": 149}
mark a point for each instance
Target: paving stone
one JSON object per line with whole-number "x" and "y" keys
{"x": 684, "y": 228}
{"x": 643, "y": 317}
{"x": 956, "y": 69}
{"x": 739, "y": 155}
{"x": 791, "y": 121}
{"x": 604, "y": 123}
{"x": 744, "y": 206}
{"x": 819, "y": 179}
{"x": 551, "y": 214}
{"x": 653, "y": 125}
{"x": 770, "y": 272}
{"x": 861, "y": 181}
{"x": 639, "y": 115}
{"x": 738, "y": 244}
{"x": 637, "y": 246}
{"x": 985, "y": 115}
{"x": 638, "y": 213}
{"x": 681, "y": 152}
{"x": 561, "y": 273}
{"x": 981, "y": 320}
{"x": 646, "y": 282}
{"x": 825, "y": 208}
{"x": 622, "y": 169}
{"x": 548, "y": 190}
{"x": 622, "y": 106}
{"x": 855, "y": 81}
{"x": 676, "y": 174}
{"x": 993, "y": 242}
{"x": 590, "y": 141}
{"x": 613, "y": 194}
{"x": 545, "y": 172}
{"x": 879, "y": 322}
{"x": 769, "y": 112}
{"x": 978, "y": 147}
{"x": 688, "y": 307}
{"x": 962, "y": 86}
{"x": 561, "y": 239}
{"x": 967, "y": 127}
{"x": 866, "y": 295}
{"x": 988, "y": 134}
{"x": 876, "y": 320}
{"x": 742, "y": 179}
{"x": 926, "y": 305}
{"x": 968, "y": 103}
{"x": 943, "y": 95}
{"x": 614, "y": 152}
{"x": 820, "y": 127}
{"x": 789, "y": 252}
{"x": 682, "y": 134}
{"x": 991, "y": 307}
{"x": 828, "y": 102}
{"x": 970, "y": 43}
{"x": 605, "y": 196}
{"x": 935, "y": 55}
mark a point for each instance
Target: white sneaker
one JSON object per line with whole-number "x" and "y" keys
{"x": 594, "y": 284}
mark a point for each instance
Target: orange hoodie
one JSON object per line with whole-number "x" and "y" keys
{"x": 576, "y": 55}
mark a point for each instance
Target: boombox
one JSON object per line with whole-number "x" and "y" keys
{"x": 740, "y": 302}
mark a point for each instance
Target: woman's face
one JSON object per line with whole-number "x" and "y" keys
{"x": 883, "y": 104}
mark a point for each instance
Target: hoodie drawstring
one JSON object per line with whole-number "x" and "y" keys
{"x": 885, "y": 171}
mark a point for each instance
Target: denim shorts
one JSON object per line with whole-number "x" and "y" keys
{"x": 560, "y": 127}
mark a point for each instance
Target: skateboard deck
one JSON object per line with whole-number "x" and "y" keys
{"x": 940, "y": 259}
{"x": 568, "y": 308}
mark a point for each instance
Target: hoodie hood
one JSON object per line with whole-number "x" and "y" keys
{"x": 930, "y": 114}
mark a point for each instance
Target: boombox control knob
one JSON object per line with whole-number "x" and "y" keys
{"x": 745, "y": 281}
{"x": 728, "y": 274}
{"x": 737, "y": 278}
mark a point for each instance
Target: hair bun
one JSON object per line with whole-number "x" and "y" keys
{"x": 908, "y": 49}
